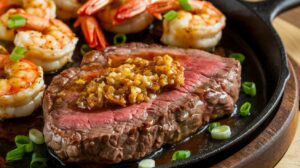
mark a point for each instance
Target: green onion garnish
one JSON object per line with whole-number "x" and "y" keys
{"x": 84, "y": 49}
{"x": 245, "y": 109}
{"x": 147, "y": 163}
{"x": 17, "y": 53}
{"x": 238, "y": 56}
{"x": 221, "y": 132}
{"x": 181, "y": 155}
{"x": 185, "y": 5}
{"x": 22, "y": 140}
{"x": 36, "y": 136}
{"x": 249, "y": 88}
{"x": 170, "y": 15}
{"x": 16, "y": 21}
{"x": 213, "y": 125}
{"x": 120, "y": 38}
{"x": 15, "y": 154}
{"x": 37, "y": 161}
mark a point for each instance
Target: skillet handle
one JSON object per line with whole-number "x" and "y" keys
{"x": 269, "y": 9}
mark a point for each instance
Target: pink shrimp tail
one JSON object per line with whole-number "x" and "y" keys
{"x": 92, "y": 6}
{"x": 92, "y": 32}
{"x": 129, "y": 10}
{"x": 159, "y": 7}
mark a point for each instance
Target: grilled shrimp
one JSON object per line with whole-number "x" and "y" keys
{"x": 128, "y": 17}
{"x": 117, "y": 16}
{"x": 201, "y": 27}
{"x": 50, "y": 42}
{"x": 67, "y": 9}
{"x": 41, "y": 8}
{"x": 21, "y": 87}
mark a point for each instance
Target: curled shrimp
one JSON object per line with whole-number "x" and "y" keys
{"x": 21, "y": 86}
{"x": 117, "y": 16}
{"x": 125, "y": 17}
{"x": 41, "y": 8}
{"x": 49, "y": 42}
{"x": 67, "y": 9}
{"x": 201, "y": 27}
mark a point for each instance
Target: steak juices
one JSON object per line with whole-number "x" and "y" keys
{"x": 117, "y": 133}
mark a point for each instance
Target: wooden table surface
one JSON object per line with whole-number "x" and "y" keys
{"x": 288, "y": 27}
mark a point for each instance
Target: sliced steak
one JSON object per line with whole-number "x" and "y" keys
{"x": 113, "y": 135}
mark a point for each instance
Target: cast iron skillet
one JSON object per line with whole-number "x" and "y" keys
{"x": 249, "y": 31}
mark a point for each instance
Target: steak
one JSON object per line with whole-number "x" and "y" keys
{"x": 112, "y": 135}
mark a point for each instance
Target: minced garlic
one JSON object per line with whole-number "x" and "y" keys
{"x": 136, "y": 80}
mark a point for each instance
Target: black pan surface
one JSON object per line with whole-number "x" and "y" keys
{"x": 247, "y": 32}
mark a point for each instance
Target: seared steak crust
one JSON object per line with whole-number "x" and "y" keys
{"x": 113, "y": 135}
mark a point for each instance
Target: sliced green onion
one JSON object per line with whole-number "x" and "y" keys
{"x": 17, "y": 53}
{"x": 238, "y": 56}
{"x": 185, "y": 5}
{"x": 36, "y": 136}
{"x": 249, "y": 88}
{"x": 245, "y": 109}
{"x": 84, "y": 49}
{"x": 221, "y": 132}
{"x": 22, "y": 140}
{"x": 37, "y": 161}
{"x": 147, "y": 163}
{"x": 181, "y": 155}
{"x": 170, "y": 15}
{"x": 16, "y": 21}
{"x": 120, "y": 38}
{"x": 213, "y": 125}
{"x": 15, "y": 154}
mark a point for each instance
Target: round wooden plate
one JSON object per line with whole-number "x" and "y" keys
{"x": 270, "y": 145}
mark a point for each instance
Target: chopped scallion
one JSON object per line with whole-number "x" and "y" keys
{"x": 245, "y": 109}
{"x": 37, "y": 161}
{"x": 185, "y": 5}
{"x": 170, "y": 15}
{"x": 15, "y": 154}
{"x": 120, "y": 38}
{"x": 147, "y": 163}
{"x": 22, "y": 140}
{"x": 36, "y": 136}
{"x": 249, "y": 88}
{"x": 238, "y": 56}
{"x": 221, "y": 132}
{"x": 17, "y": 53}
{"x": 84, "y": 49}
{"x": 213, "y": 125}
{"x": 181, "y": 155}
{"x": 16, "y": 21}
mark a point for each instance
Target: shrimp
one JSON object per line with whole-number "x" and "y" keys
{"x": 21, "y": 87}
{"x": 129, "y": 17}
{"x": 117, "y": 16}
{"x": 67, "y": 9}
{"x": 49, "y": 42}
{"x": 6, "y": 33}
{"x": 41, "y": 8}
{"x": 201, "y": 27}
